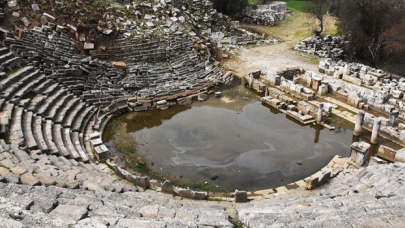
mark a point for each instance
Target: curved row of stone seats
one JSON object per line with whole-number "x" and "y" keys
{"x": 13, "y": 82}
{"x": 44, "y": 46}
{"x": 39, "y": 134}
{"x": 133, "y": 50}
{"x": 8, "y": 60}
{"x": 16, "y": 130}
{"x": 13, "y": 88}
{"x": 41, "y": 206}
{"x": 370, "y": 197}
{"x": 52, "y": 103}
{"x": 35, "y": 168}
{"x": 59, "y": 108}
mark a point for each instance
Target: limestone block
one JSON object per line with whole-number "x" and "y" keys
{"x": 387, "y": 153}
{"x": 69, "y": 212}
{"x": 325, "y": 178}
{"x": 142, "y": 182}
{"x": 322, "y": 90}
{"x": 168, "y": 188}
{"x": 88, "y": 46}
{"x": 312, "y": 183}
{"x": 200, "y": 195}
{"x": 186, "y": 193}
{"x": 185, "y": 101}
{"x": 400, "y": 157}
{"x": 28, "y": 179}
{"x": 202, "y": 96}
{"x": 376, "y": 161}
{"x": 241, "y": 196}
{"x": 121, "y": 65}
{"x": 26, "y": 22}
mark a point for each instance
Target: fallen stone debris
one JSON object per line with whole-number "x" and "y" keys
{"x": 326, "y": 47}
{"x": 267, "y": 15}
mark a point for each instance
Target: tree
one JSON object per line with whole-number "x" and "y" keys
{"x": 316, "y": 9}
{"x": 370, "y": 28}
{"x": 394, "y": 40}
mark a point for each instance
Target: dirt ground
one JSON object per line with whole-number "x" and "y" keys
{"x": 271, "y": 58}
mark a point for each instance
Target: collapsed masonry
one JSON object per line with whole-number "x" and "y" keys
{"x": 366, "y": 87}
{"x": 327, "y": 47}
{"x": 263, "y": 14}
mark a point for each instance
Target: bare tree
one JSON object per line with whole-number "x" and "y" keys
{"x": 316, "y": 9}
{"x": 374, "y": 29}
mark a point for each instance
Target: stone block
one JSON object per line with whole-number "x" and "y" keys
{"x": 387, "y": 153}
{"x": 359, "y": 152}
{"x": 168, "y": 188}
{"x": 377, "y": 161}
{"x": 241, "y": 196}
{"x": 399, "y": 157}
{"x": 186, "y": 193}
{"x": 88, "y": 46}
{"x": 200, "y": 195}
{"x": 325, "y": 178}
{"x": 202, "y": 96}
{"x": 312, "y": 183}
{"x": 69, "y": 212}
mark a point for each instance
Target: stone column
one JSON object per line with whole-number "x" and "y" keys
{"x": 394, "y": 117}
{"x": 359, "y": 122}
{"x": 277, "y": 80}
{"x": 347, "y": 70}
{"x": 320, "y": 111}
{"x": 322, "y": 90}
{"x": 251, "y": 81}
{"x": 267, "y": 92}
{"x": 375, "y": 131}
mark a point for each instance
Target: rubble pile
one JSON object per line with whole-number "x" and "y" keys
{"x": 366, "y": 87}
{"x": 327, "y": 47}
{"x": 267, "y": 15}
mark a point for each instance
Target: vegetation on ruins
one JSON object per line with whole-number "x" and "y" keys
{"x": 375, "y": 30}
{"x": 317, "y": 11}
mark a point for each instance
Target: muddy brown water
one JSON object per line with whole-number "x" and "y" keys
{"x": 256, "y": 148}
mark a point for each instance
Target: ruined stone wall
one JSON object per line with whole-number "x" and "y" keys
{"x": 264, "y": 14}
{"x": 327, "y": 47}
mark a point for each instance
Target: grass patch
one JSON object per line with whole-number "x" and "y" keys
{"x": 109, "y": 166}
{"x": 6, "y": 138}
{"x": 12, "y": 71}
{"x": 296, "y": 5}
{"x": 215, "y": 199}
{"x": 30, "y": 95}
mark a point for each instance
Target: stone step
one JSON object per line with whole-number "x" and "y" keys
{"x": 49, "y": 102}
{"x": 39, "y": 135}
{"x": 51, "y": 113}
{"x": 69, "y": 145}
{"x": 72, "y": 114}
{"x": 58, "y": 140}
{"x": 28, "y": 132}
{"x": 16, "y": 128}
{"x": 65, "y": 110}
{"x": 48, "y": 136}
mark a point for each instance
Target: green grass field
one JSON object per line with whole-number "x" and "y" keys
{"x": 296, "y": 5}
